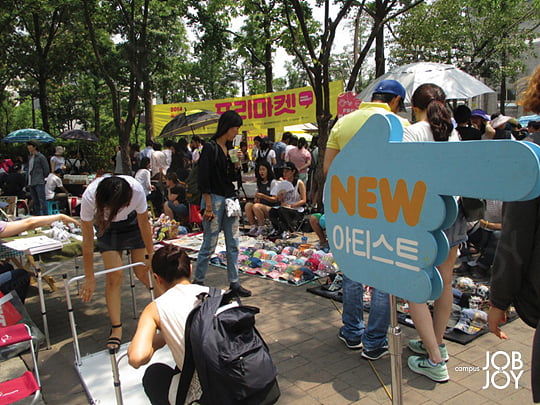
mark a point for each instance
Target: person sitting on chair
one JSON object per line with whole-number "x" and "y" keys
{"x": 163, "y": 323}
{"x": 260, "y": 207}
{"x": 175, "y": 206}
{"x": 292, "y": 203}
{"x": 55, "y": 190}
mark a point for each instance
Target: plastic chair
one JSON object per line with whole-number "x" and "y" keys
{"x": 195, "y": 218}
{"x": 28, "y": 383}
{"x": 52, "y": 207}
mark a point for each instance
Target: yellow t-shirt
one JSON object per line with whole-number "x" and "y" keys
{"x": 347, "y": 126}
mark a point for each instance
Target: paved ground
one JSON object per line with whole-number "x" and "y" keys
{"x": 300, "y": 328}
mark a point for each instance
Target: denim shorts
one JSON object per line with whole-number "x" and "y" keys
{"x": 457, "y": 233}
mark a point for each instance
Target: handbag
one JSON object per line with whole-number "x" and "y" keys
{"x": 232, "y": 207}
{"x": 473, "y": 208}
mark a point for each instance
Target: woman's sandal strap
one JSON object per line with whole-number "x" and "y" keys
{"x": 114, "y": 341}
{"x": 116, "y": 326}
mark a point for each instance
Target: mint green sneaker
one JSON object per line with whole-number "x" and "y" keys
{"x": 417, "y": 346}
{"x": 420, "y": 365}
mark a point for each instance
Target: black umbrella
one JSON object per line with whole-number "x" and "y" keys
{"x": 79, "y": 135}
{"x": 189, "y": 121}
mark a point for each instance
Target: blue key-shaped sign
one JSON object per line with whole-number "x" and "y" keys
{"x": 387, "y": 202}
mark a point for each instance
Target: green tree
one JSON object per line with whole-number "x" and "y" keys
{"x": 211, "y": 72}
{"x": 126, "y": 65}
{"x": 40, "y": 46}
{"x": 462, "y": 32}
{"x": 256, "y": 42}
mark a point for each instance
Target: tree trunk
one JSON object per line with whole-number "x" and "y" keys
{"x": 148, "y": 118}
{"x": 379, "y": 40}
{"x": 44, "y": 104}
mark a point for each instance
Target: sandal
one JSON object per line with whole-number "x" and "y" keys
{"x": 114, "y": 342}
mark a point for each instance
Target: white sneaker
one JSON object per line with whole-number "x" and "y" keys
{"x": 285, "y": 235}
{"x": 253, "y": 230}
{"x": 261, "y": 230}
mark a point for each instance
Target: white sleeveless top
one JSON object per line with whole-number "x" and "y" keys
{"x": 174, "y": 307}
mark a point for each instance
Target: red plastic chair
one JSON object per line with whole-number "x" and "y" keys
{"x": 27, "y": 384}
{"x": 195, "y": 218}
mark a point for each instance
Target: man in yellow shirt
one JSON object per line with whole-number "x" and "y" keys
{"x": 387, "y": 99}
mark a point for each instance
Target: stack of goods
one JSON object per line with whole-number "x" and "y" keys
{"x": 166, "y": 228}
{"x": 292, "y": 264}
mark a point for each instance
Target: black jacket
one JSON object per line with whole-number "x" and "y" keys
{"x": 216, "y": 171}
{"x": 515, "y": 276}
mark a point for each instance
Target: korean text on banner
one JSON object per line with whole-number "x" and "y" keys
{"x": 270, "y": 110}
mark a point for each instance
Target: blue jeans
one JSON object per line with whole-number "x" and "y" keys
{"x": 181, "y": 210}
{"x": 211, "y": 230}
{"x": 37, "y": 193}
{"x": 374, "y": 336}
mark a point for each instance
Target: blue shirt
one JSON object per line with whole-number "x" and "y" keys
{"x": 279, "y": 148}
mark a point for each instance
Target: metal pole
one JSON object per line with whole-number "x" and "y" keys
{"x": 116, "y": 376}
{"x": 150, "y": 281}
{"x": 132, "y": 286}
{"x": 39, "y": 276}
{"x": 70, "y": 307}
{"x": 394, "y": 333}
{"x": 72, "y": 322}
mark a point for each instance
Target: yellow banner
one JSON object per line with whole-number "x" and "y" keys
{"x": 270, "y": 110}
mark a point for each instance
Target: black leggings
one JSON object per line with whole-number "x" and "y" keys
{"x": 535, "y": 365}
{"x": 284, "y": 219}
{"x": 156, "y": 382}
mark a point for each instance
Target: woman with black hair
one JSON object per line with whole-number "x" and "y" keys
{"x": 143, "y": 176}
{"x": 217, "y": 174}
{"x": 163, "y": 323}
{"x": 176, "y": 206}
{"x": 117, "y": 207}
{"x": 179, "y": 164}
{"x": 263, "y": 201}
{"x": 291, "y": 195}
{"x": 301, "y": 157}
{"x": 434, "y": 124}
{"x": 265, "y": 152}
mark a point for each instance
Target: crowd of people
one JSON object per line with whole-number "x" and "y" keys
{"x": 116, "y": 207}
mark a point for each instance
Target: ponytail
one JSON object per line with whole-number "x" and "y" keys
{"x": 439, "y": 120}
{"x": 431, "y": 98}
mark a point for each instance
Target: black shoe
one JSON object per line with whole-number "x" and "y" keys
{"x": 375, "y": 354}
{"x": 199, "y": 282}
{"x": 239, "y": 290}
{"x": 353, "y": 344}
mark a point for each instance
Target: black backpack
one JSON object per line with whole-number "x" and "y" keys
{"x": 193, "y": 194}
{"x": 231, "y": 358}
{"x": 261, "y": 156}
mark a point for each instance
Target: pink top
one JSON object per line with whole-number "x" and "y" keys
{"x": 299, "y": 157}
{"x": 2, "y": 226}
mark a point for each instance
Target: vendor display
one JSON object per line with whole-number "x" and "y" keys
{"x": 166, "y": 228}
{"x": 295, "y": 264}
